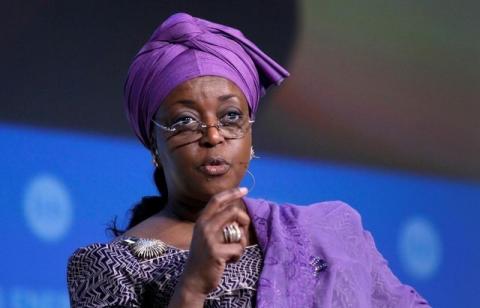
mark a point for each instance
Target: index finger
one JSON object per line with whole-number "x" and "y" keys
{"x": 225, "y": 196}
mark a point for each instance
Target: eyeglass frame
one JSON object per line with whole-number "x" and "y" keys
{"x": 201, "y": 127}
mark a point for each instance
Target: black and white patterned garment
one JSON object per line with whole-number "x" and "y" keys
{"x": 111, "y": 275}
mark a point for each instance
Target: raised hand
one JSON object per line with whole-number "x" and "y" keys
{"x": 209, "y": 253}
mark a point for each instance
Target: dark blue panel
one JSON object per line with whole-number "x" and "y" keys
{"x": 58, "y": 191}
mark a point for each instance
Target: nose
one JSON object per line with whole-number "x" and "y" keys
{"x": 211, "y": 136}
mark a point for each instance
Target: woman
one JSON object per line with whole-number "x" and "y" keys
{"x": 191, "y": 96}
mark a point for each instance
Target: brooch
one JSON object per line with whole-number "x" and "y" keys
{"x": 147, "y": 248}
{"x": 319, "y": 265}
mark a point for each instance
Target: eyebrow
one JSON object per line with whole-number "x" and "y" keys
{"x": 192, "y": 103}
{"x": 226, "y": 97}
{"x": 221, "y": 98}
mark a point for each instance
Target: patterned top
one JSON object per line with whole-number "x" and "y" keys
{"x": 115, "y": 274}
{"x": 311, "y": 256}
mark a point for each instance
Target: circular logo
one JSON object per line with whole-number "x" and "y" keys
{"x": 47, "y": 208}
{"x": 420, "y": 248}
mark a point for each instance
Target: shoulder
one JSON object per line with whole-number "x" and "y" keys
{"x": 325, "y": 212}
{"x": 330, "y": 213}
{"x": 98, "y": 251}
{"x": 327, "y": 209}
{"x": 104, "y": 274}
{"x": 100, "y": 259}
{"x": 327, "y": 221}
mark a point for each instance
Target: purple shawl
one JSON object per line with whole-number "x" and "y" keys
{"x": 293, "y": 238}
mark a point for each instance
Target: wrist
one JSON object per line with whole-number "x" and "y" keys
{"x": 187, "y": 296}
{"x": 192, "y": 295}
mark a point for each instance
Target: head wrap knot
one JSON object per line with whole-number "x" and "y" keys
{"x": 184, "y": 47}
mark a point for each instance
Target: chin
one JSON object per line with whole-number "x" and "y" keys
{"x": 213, "y": 186}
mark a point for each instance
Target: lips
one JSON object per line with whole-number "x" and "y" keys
{"x": 214, "y": 166}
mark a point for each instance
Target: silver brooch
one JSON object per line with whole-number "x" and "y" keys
{"x": 318, "y": 264}
{"x": 147, "y": 248}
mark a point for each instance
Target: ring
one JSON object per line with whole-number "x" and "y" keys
{"x": 232, "y": 233}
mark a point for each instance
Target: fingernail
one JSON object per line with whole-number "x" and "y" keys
{"x": 243, "y": 190}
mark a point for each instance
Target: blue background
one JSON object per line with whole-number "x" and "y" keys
{"x": 104, "y": 176}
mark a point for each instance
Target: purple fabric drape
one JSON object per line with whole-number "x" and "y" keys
{"x": 293, "y": 237}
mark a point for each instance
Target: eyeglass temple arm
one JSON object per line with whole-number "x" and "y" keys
{"x": 168, "y": 129}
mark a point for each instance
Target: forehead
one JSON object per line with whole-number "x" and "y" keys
{"x": 202, "y": 90}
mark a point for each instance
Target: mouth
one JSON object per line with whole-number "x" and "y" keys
{"x": 214, "y": 166}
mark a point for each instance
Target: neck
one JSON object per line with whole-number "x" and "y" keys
{"x": 187, "y": 210}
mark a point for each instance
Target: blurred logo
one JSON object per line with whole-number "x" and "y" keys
{"x": 47, "y": 208}
{"x": 420, "y": 248}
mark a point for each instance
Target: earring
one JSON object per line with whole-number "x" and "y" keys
{"x": 154, "y": 161}
{"x": 253, "y": 181}
{"x": 252, "y": 154}
{"x": 155, "y": 158}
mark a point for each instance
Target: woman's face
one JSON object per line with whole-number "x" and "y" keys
{"x": 211, "y": 163}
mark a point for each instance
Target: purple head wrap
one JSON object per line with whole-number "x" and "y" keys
{"x": 185, "y": 47}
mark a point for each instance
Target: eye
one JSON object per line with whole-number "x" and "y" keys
{"x": 231, "y": 117}
{"x": 182, "y": 122}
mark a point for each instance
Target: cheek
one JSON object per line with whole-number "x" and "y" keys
{"x": 247, "y": 150}
{"x": 179, "y": 173}
{"x": 242, "y": 153}
{"x": 178, "y": 163}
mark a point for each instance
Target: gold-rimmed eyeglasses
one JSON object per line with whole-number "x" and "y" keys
{"x": 188, "y": 129}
